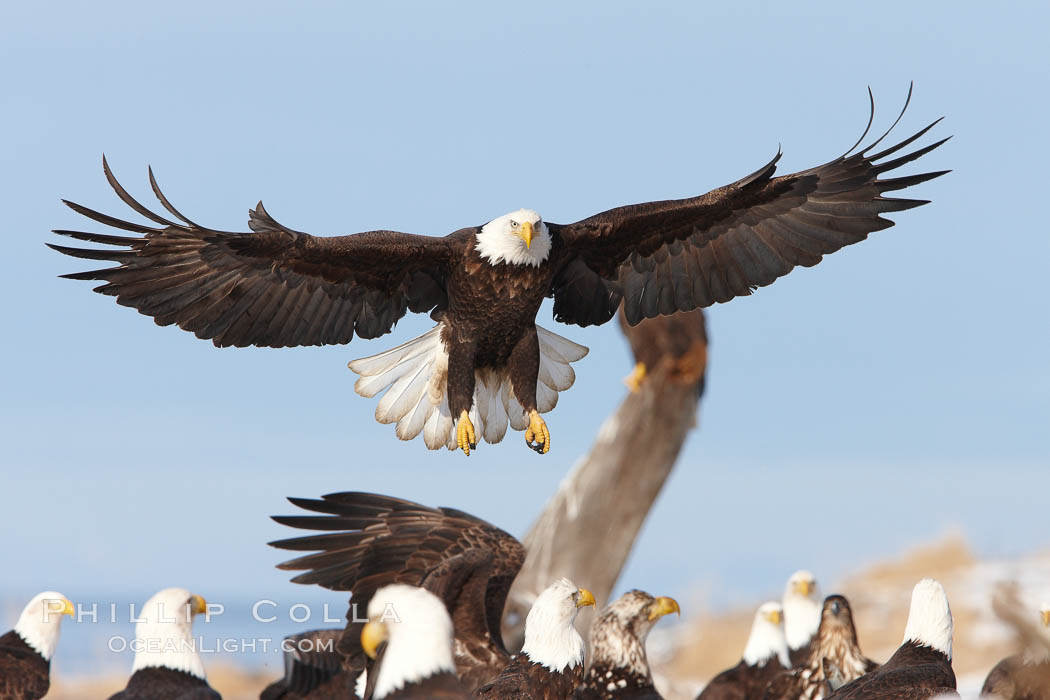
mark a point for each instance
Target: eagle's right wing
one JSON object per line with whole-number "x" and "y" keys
{"x": 273, "y": 287}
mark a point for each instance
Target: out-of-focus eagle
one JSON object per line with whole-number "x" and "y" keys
{"x": 26, "y": 651}
{"x": 922, "y": 666}
{"x": 834, "y": 658}
{"x": 486, "y": 364}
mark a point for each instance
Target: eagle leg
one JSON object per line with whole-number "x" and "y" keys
{"x": 537, "y": 437}
{"x": 636, "y": 377}
{"x": 465, "y": 437}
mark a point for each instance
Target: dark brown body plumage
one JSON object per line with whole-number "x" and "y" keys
{"x": 366, "y": 541}
{"x": 24, "y": 673}
{"x": 834, "y": 644}
{"x": 743, "y": 681}
{"x": 278, "y": 287}
{"x": 914, "y": 672}
{"x": 159, "y": 683}
{"x": 491, "y": 324}
{"x": 444, "y": 686}
{"x": 314, "y": 669}
{"x": 523, "y": 679}
{"x": 1015, "y": 679}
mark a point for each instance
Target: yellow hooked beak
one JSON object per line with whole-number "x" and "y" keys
{"x": 663, "y": 606}
{"x": 61, "y": 606}
{"x": 774, "y": 616}
{"x": 1046, "y": 617}
{"x": 197, "y": 605}
{"x": 804, "y": 587}
{"x": 586, "y": 598}
{"x": 372, "y": 635}
{"x": 526, "y": 233}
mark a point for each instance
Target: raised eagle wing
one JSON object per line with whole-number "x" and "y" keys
{"x": 679, "y": 255}
{"x": 370, "y": 541}
{"x": 273, "y": 287}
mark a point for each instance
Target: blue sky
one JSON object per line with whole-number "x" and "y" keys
{"x": 900, "y": 387}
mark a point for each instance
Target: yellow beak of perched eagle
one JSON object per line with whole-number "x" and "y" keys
{"x": 372, "y": 635}
{"x": 663, "y": 606}
{"x": 526, "y": 233}
{"x": 804, "y": 587}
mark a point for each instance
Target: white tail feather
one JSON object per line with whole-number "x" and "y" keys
{"x": 414, "y": 377}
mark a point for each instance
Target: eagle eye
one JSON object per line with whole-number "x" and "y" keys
{"x": 514, "y": 224}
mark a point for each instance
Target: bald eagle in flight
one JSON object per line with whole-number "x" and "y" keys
{"x": 26, "y": 651}
{"x": 487, "y": 365}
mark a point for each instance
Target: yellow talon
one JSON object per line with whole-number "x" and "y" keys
{"x": 636, "y": 377}
{"x": 537, "y": 437}
{"x": 465, "y": 437}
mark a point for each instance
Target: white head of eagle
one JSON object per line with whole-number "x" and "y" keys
{"x": 164, "y": 632}
{"x": 417, "y": 629}
{"x": 38, "y": 625}
{"x": 517, "y": 238}
{"x": 551, "y": 639}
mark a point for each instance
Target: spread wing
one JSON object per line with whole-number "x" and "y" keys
{"x": 369, "y": 541}
{"x": 678, "y": 255}
{"x": 273, "y": 287}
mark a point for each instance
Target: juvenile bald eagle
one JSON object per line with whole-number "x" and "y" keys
{"x": 486, "y": 364}
{"x": 1024, "y": 676}
{"x": 765, "y": 656}
{"x": 834, "y": 659}
{"x": 922, "y": 666}
{"x": 167, "y": 664}
{"x": 802, "y": 611}
{"x": 26, "y": 651}
{"x": 415, "y": 630}
{"x": 619, "y": 665}
{"x": 366, "y": 541}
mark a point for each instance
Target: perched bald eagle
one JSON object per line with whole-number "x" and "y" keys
{"x": 834, "y": 650}
{"x": 26, "y": 651}
{"x": 313, "y": 669}
{"x": 765, "y": 656}
{"x": 167, "y": 664}
{"x": 366, "y": 541}
{"x": 802, "y": 612}
{"x": 1024, "y": 676}
{"x": 486, "y": 364}
{"x": 677, "y": 343}
{"x": 922, "y": 666}
{"x": 619, "y": 665}
{"x": 415, "y": 630}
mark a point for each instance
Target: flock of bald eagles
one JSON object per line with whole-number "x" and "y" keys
{"x": 433, "y": 583}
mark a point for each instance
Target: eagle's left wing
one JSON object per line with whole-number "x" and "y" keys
{"x": 270, "y": 287}
{"x": 678, "y": 255}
